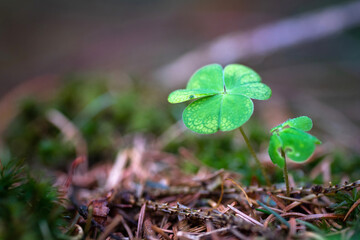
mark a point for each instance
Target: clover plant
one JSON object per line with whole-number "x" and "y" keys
{"x": 222, "y": 99}
{"x": 290, "y": 139}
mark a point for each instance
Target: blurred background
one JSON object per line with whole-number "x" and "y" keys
{"x": 308, "y": 52}
{"x": 56, "y": 37}
{"x": 90, "y": 79}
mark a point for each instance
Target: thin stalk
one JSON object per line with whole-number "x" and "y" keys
{"x": 255, "y": 156}
{"x": 286, "y": 177}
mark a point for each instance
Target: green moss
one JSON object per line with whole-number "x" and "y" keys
{"x": 30, "y": 209}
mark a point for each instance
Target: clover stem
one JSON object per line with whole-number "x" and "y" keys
{"x": 254, "y": 156}
{"x": 286, "y": 177}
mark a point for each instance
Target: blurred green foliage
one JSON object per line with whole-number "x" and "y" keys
{"x": 102, "y": 115}
{"x": 106, "y": 113}
{"x": 344, "y": 201}
{"x": 30, "y": 209}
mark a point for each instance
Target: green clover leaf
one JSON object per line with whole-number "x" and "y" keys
{"x": 291, "y": 138}
{"x": 222, "y": 97}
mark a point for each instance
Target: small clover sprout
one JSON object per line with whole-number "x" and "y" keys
{"x": 222, "y": 97}
{"x": 290, "y": 139}
{"x": 222, "y": 100}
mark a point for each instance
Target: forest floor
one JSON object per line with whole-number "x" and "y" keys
{"x": 123, "y": 166}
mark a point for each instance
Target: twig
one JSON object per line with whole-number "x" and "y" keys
{"x": 276, "y": 200}
{"x": 160, "y": 231}
{"x": 73, "y": 166}
{"x": 250, "y": 201}
{"x": 148, "y": 231}
{"x": 110, "y": 227}
{"x": 221, "y": 194}
{"x": 322, "y": 216}
{"x": 295, "y": 214}
{"x": 127, "y": 228}
{"x": 137, "y": 156}
{"x": 246, "y": 217}
{"x": 116, "y": 172}
{"x": 301, "y": 200}
{"x": 281, "y": 219}
{"x": 292, "y": 230}
{"x": 211, "y": 233}
{"x": 352, "y": 209}
{"x": 71, "y": 133}
{"x": 89, "y": 219}
{"x": 141, "y": 221}
{"x": 82, "y": 210}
